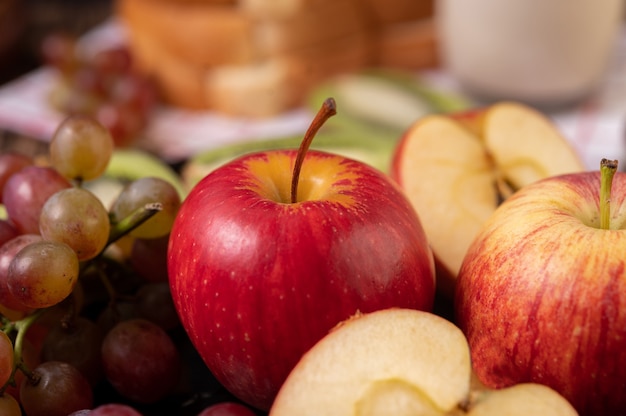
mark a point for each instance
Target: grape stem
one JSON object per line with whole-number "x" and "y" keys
{"x": 132, "y": 221}
{"x": 21, "y": 327}
{"x": 607, "y": 172}
{"x": 328, "y": 109}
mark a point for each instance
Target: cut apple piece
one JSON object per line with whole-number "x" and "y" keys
{"x": 521, "y": 400}
{"x": 405, "y": 361}
{"x": 457, "y": 168}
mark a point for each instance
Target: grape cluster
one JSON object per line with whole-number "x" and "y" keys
{"x": 88, "y": 325}
{"x": 101, "y": 84}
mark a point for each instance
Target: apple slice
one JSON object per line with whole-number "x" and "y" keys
{"x": 457, "y": 168}
{"x": 520, "y": 400}
{"x": 405, "y": 362}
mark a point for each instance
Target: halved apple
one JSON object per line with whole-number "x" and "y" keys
{"x": 401, "y": 362}
{"x": 520, "y": 400}
{"x": 398, "y": 360}
{"x": 457, "y": 168}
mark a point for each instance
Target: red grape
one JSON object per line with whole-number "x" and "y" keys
{"x": 7, "y": 253}
{"x": 6, "y": 358}
{"x": 26, "y": 191}
{"x": 227, "y": 409}
{"x": 102, "y": 85}
{"x": 148, "y": 258}
{"x": 11, "y": 163}
{"x": 114, "y": 409}
{"x": 7, "y": 231}
{"x": 59, "y": 51}
{"x": 82, "y": 412}
{"x": 55, "y": 389}
{"x": 77, "y": 342}
{"x": 140, "y": 360}
{"x": 154, "y": 302}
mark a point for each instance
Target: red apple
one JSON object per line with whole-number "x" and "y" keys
{"x": 541, "y": 293}
{"x": 258, "y": 278}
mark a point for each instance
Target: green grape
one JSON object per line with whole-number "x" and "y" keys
{"x": 144, "y": 191}
{"x": 81, "y": 148}
{"x": 76, "y": 217}
{"x": 9, "y": 406}
{"x": 43, "y": 273}
{"x": 6, "y": 358}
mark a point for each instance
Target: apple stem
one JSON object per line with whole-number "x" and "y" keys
{"x": 327, "y": 110}
{"x": 607, "y": 171}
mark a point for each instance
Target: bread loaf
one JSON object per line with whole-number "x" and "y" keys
{"x": 258, "y": 58}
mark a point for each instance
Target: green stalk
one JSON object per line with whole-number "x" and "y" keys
{"x": 132, "y": 221}
{"x": 21, "y": 327}
{"x": 607, "y": 171}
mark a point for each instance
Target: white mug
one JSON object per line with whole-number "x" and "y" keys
{"x": 544, "y": 52}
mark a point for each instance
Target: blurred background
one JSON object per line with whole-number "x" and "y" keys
{"x": 225, "y": 71}
{"x": 24, "y": 23}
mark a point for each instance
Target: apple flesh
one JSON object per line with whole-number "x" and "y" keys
{"x": 258, "y": 278}
{"x": 541, "y": 291}
{"x": 520, "y": 400}
{"x": 401, "y": 362}
{"x": 457, "y": 168}
{"x": 395, "y": 359}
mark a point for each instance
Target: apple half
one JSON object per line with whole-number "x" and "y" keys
{"x": 457, "y": 168}
{"x": 396, "y": 359}
{"x": 401, "y": 362}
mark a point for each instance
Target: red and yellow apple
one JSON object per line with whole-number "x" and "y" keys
{"x": 401, "y": 362}
{"x": 271, "y": 250}
{"x": 457, "y": 168}
{"x": 541, "y": 293}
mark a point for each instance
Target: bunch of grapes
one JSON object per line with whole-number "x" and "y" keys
{"x": 102, "y": 84}
{"x": 85, "y": 308}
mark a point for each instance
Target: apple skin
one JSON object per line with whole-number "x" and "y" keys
{"x": 541, "y": 293}
{"x": 258, "y": 280}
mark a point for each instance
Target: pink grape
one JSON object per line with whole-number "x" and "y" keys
{"x": 7, "y": 253}
{"x": 11, "y": 163}
{"x": 114, "y": 409}
{"x": 26, "y": 191}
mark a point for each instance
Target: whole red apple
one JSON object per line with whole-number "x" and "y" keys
{"x": 258, "y": 278}
{"x": 541, "y": 293}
